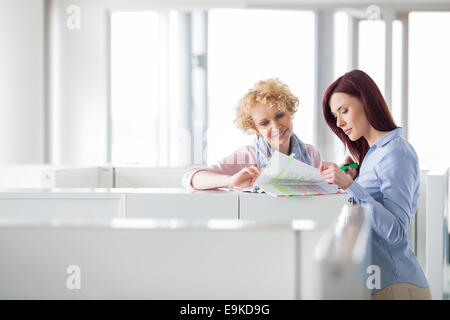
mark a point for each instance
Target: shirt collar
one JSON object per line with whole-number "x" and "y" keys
{"x": 388, "y": 137}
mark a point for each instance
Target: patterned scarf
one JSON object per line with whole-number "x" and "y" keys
{"x": 264, "y": 151}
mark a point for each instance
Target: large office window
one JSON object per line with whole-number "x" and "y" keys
{"x": 342, "y": 43}
{"x": 135, "y": 87}
{"x": 397, "y": 69}
{"x": 372, "y": 50}
{"x": 160, "y": 84}
{"x": 154, "y": 68}
{"x": 429, "y": 105}
{"x": 150, "y": 82}
{"x": 245, "y": 46}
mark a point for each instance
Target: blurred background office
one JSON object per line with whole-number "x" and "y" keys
{"x": 156, "y": 82}
{"x": 107, "y": 84}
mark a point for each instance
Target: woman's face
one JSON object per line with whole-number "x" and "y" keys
{"x": 275, "y": 125}
{"x": 349, "y": 114}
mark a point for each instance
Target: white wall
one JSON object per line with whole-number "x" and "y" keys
{"x": 78, "y": 84}
{"x": 21, "y": 81}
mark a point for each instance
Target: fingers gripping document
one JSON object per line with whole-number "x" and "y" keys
{"x": 285, "y": 176}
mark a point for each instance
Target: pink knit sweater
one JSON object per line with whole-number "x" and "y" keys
{"x": 243, "y": 157}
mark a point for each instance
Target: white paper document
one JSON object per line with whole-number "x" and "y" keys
{"x": 285, "y": 176}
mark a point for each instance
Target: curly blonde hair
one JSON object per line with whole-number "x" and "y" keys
{"x": 270, "y": 92}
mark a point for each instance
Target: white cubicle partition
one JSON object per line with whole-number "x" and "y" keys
{"x": 61, "y": 204}
{"x": 96, "y": 203}
{"x": 22, "y": 176}
{"x": 344, "y": 255}
{"x": 176, "y": 203}
{"x": 322, "y": 210}
{"x": 160, "y": 259}
{"x": 446, "y": 285}
{"x": 427, "y": 230}
{"x": 49, "y": 176}
{"x": 149, "y": 177}
{"x": 437, "y": 205}
{"x": 263, "y": 207}
{"x": 164, "y": 203}
{"x": 148, "y": 260}
{"x": 113, "y": 177}
{"x": 418, "y": 230}
{"x": 78, "y": 177}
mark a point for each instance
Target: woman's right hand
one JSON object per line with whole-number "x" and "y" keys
{"x": 245, "y": 178}
{"x": 352, "y": 172}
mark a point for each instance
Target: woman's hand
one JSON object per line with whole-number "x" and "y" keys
{"x": 245, "y": 178}
{"x": 334, "y": 175}
{"x": 352, "y": 172}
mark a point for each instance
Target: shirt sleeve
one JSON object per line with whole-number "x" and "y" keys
{"x": 314, "y": 155}
{"x": 231, "y": 164}
{"x": 398, "y": 178}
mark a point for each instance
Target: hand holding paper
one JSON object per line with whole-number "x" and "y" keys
{"x": 245, "y": 178}
{"x": 285, "y": 176}
{"x": 332, "y": 174}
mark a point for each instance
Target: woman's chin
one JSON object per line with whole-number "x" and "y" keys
{"x": 353, "y": 138}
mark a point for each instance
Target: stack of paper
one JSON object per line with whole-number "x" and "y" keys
{"x": 285, "y": 176}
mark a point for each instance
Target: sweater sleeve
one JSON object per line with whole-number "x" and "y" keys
{"x": 231, "y": 164}
{"x": 314, "y": 155}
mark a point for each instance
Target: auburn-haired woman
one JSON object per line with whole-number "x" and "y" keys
{"x": 388, "y": 179}
{"x": 267, "y": 111}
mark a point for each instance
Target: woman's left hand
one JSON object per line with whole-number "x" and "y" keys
{"x": 334, "y": 175}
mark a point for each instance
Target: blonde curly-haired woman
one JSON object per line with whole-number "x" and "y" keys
{"x": 266, "y": 111}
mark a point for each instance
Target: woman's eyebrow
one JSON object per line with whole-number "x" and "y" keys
{"x": 337, "y": 110}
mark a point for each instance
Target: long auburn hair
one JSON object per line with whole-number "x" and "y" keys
{"x": 357, "y": 83}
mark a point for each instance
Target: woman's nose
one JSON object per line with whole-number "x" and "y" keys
{"x": 340, "y": 122}
{"x": 273, "y": 125}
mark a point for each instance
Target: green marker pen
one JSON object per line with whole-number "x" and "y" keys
{"x": 346, "y": 167}
{"x": 291, "y": 157}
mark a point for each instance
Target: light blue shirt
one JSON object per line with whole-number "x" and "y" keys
{"x": 388, "y": 182}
